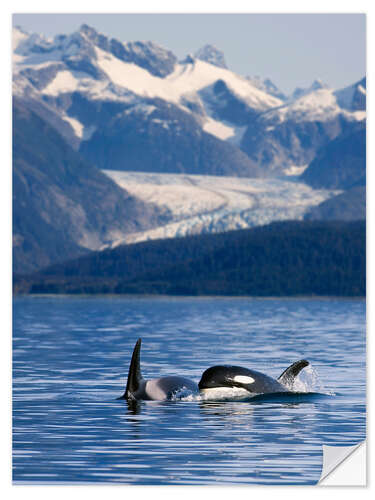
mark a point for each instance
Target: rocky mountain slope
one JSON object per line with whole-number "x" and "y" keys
{"x": 212, "y": 55}
{"x": 62, "y": 206}
{"x": 161, "y": 137}
{"x": 349, "y": 205}
{"x": 341, "y": 164}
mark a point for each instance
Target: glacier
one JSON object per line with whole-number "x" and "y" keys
{"x": 196, "y": 204}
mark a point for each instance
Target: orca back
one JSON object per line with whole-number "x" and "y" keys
{"x": 237, "y": 376}
{"x": 159, "y": 389}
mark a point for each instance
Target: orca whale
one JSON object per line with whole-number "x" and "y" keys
{"x": 237, "y": 381}
{"x": 159, "y": 389}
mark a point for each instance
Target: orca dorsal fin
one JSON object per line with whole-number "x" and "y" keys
{"x": 134, "y": 375}
{"x": 288, "y": 375}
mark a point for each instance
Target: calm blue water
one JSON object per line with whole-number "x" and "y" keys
{"x": 70, "y": 362}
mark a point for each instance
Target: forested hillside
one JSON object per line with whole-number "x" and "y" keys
{"x": 280, "y": 259}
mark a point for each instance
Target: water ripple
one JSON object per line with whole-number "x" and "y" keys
{"x": 70, "y": 361}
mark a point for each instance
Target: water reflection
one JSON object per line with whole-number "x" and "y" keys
{"x": 233, "y": 414}
{"x": 134, "y": 406}
{"x": 291, "y": 400}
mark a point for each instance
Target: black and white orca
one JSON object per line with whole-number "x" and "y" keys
{"x": 221, "y": 381}
{"x": 159, "y": 389}
{"x": 236, "y": 381}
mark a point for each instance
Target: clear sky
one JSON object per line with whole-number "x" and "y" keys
{"x": 290, "y": 49}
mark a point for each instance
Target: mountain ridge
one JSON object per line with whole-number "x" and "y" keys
{"x": 101, "y": 69}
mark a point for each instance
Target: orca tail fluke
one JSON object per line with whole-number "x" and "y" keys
{"x": 134, "y": 375}
{"x": 288, "y": 375}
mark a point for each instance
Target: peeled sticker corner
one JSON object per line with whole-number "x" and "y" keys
{"x": 344, "y": 465}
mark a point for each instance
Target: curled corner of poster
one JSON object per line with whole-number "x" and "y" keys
{"x": 344, "y": 465}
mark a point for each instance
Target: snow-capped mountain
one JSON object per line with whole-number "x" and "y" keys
{"x": 88, "y": 79}
{"x": 316, "y": 85}
{"x": 212, "y": 55}
{"x": 353, "y": 98}
{"x": 89, "y": 62}
{"x": 294, "y": 132}
{"x": 100, "y": 62}
{"x": 131, "y": 106}
{"x": 267, "y": 86}
{"x": 318, "y": 105}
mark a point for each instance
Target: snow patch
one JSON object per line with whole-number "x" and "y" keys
{"x": 295, "y": 170}
{"x": 133, "y": 77}
{"x": 76, "y": 125}
{"x": 361, "y": 89}
{"x": 81, "y": 131}
{"x": 145, "y": 109}
{"x": 63, "y": 82}
{"x": 220, "y": 129}
{"x": 355, "y": 115}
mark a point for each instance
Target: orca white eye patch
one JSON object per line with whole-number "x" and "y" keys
{"x": 243, "y": 379}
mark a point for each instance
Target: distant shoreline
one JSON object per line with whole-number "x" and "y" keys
{"x": 183, "y": 297}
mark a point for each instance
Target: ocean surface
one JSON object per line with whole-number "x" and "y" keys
{"x": 70, "y": 362}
